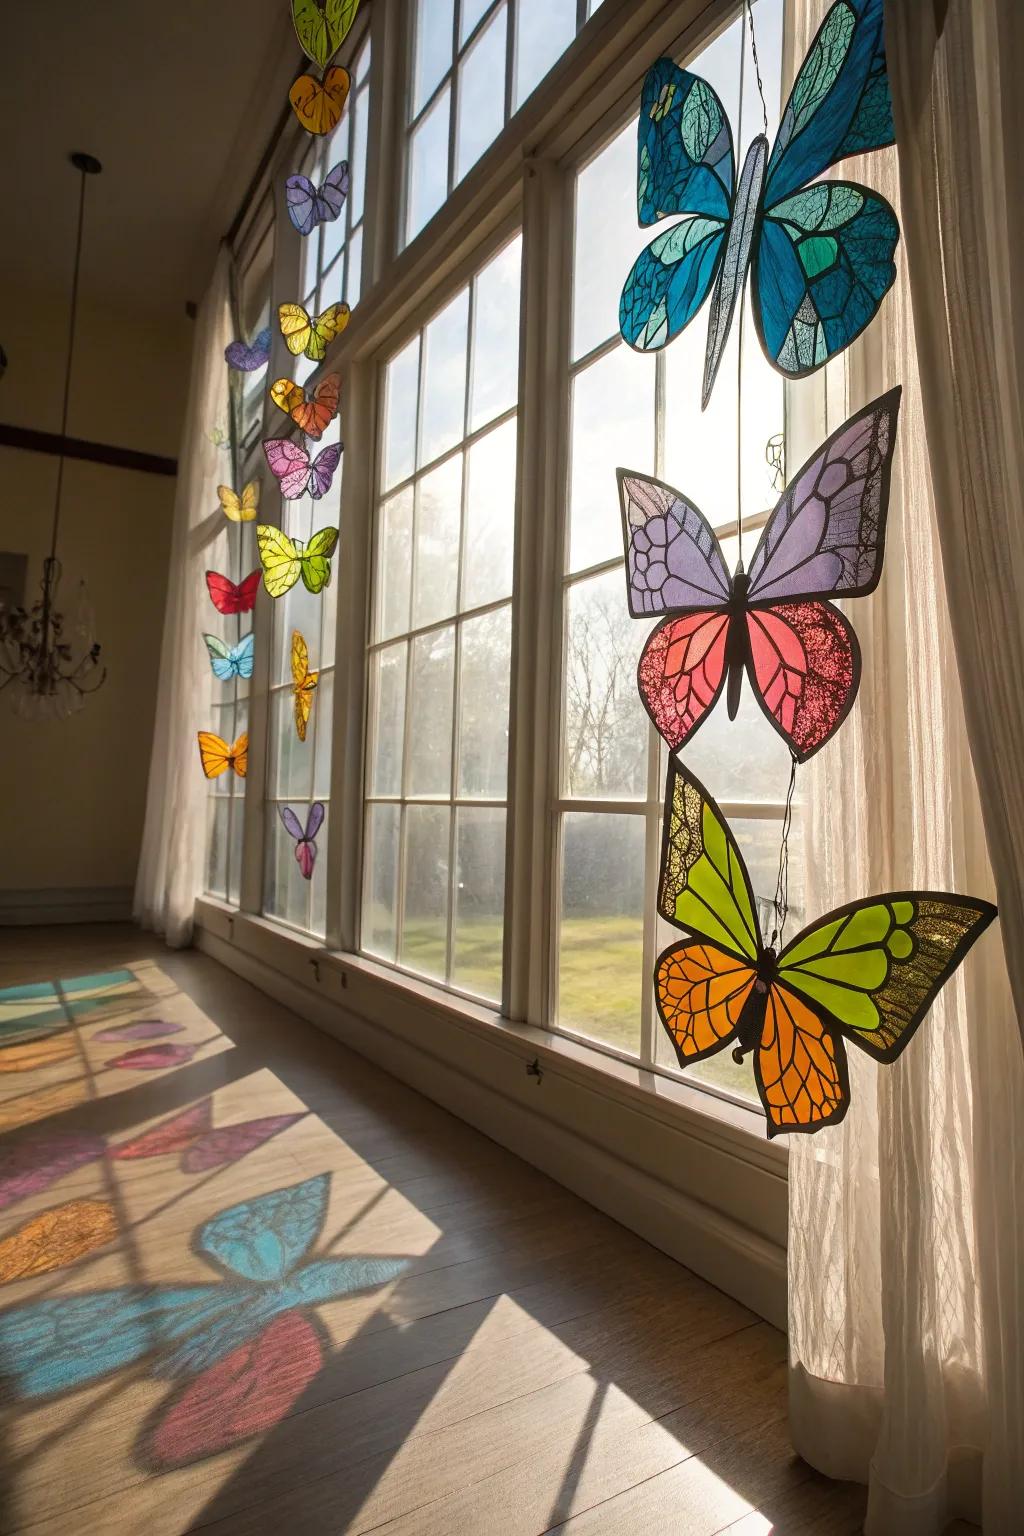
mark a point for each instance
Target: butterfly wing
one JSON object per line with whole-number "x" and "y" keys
{"x": 291, "y": 822}
{"x": 872, "y": 969}
{"x": 333, "y": 192}
{"x": 324, "y": 329}
{"x": 287, "y": 395}
{"x": 242, "y": 655}
{"x": 240, "y": 755}
{"x": 315, "y": 415}
{"x": 318, "y": 104}
{"x": 305, "y": 857}
{"x": 314, "y": 819}
{"x": 300, "y": 198}
{"x": 304, "y": 683}
{"x": 321, "y": 29}
{"x": 316, "y": 563}
{"x": 685, "y": 165}
{"x": 214, "y": 754}
{"x": 674, "y": 561}
{"x": 799, "y": 1066}
{"x": 296, "y": 327}
{"x": 322, "y": 470}
{"x": 220, "y": 658}
{"x": 704, "y": 888}
{"x": 804, "y": 666}
{"x": 699, "y": 992}
{"x": 263, "y": 1239}
{"x": 681, "y": 673}
{"x": 289, "y": 463}
{"x": 279, "y": 559}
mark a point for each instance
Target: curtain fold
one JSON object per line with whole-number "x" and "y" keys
{"x": 906, "y": 1229}
{"x": 171, "y": 865}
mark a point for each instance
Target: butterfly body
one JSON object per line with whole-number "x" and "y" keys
{"x": 819, "y": 253}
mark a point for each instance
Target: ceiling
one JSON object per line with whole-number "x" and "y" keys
{"x": 179, "y": 103}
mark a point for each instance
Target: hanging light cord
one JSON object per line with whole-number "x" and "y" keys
{"x": 757, "y": 66}
{"x": 67, "y": 370}
{"x": 781, "y": 902}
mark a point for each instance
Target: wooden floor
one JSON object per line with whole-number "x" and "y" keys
{"x": 251, "y": 1284}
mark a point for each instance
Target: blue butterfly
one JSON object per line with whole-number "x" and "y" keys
{"x": 820, "y": 255}
{"x": 61, "y": 1342}
{"x": 230, "y": 661}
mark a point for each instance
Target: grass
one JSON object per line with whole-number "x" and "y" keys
{"x": 600, "y": 981}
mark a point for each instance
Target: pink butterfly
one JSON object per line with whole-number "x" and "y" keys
{"x": 298, "y": 473}
{"x": 305, "y": 842}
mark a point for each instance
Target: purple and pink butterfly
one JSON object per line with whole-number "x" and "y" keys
{"x": 305, "y": 841}
{"x": 310, "y": 205}
{"x": 296, "y": 472}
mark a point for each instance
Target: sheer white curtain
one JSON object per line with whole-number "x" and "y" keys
{"x": 171, "y": 865}
{"x": 906, "y": 1233}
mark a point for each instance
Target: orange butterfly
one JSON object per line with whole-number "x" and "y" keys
{"x": 318, "y": 104}
{"x": 313, "y": 414}
{"x": 304, "y": 682}
{"x": 217, "y": 756}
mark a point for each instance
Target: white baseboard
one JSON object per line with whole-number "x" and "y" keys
{"x": 627, "y": 1176}
{"x": 76, "y": 904}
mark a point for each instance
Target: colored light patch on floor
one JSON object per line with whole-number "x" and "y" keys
{"x": 55, "y": 1238}
{"x": 32, "y": 1054}
{"x": 28, "y": 1108}
{"x": 30, "y": 1167}
{"x": 141, "y": 1029}
{"x": 173, "y": 1135}
{"x": 54, "y": 1004}
{"x": 152, "y": 1057}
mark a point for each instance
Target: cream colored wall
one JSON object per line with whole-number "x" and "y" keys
{"x": 72, "y": 793}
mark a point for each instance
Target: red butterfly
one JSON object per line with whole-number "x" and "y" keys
{"x": 825, "y": 538}
{"x": 227, "y": 598}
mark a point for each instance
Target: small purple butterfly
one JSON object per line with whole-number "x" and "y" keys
{"x": 249, "y": 359}
{"x": 305, "y": 842}
{"x": 309, "y": 205}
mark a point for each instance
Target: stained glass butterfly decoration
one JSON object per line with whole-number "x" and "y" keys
{"x": 318, "y": 104}
{"x": 240, "y": 508}
{"x": 229, "y": 597}
{"x": 305, "y": 841}
{"x": 310, "y": 205}
{"x": 217, "y": 757}
{"x": 322, "y": 28}
{"x": 303, "y": 333}
{"x": 252, "y": 357}
{"x": 313, "y": 413}
{"x": 303, "y": 683}
{"x": 297, "y": 472}
{"x": 230, "y": 661}
{"x": 242, "y": 1349}
{"x": 820, "y": 255}
{"x": 284, "y": 560}
{"x": 825, "y": 539}
{"x": 867, "y": 972}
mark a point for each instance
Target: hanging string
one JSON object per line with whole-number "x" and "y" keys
{"x": 781, "y": 902}
{"x": 757, "y": 66}
{"x": 71, "y": 353}
{"x": 739, "y": 343}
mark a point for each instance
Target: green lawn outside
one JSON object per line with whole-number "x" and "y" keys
{"x": 600, "y": 981}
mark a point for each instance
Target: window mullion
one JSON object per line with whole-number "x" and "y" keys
{"x": 390, "y": 76}
{"x": 537, "y": 594}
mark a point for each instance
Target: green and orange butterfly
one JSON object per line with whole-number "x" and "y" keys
{"x": 867, "y": 972}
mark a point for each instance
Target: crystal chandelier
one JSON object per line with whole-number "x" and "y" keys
{"x": 48, "y": 662}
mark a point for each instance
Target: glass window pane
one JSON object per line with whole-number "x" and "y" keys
{"x": 309, "y": 263}
{"x": 334, "y": 243}
{"x": 430, "y": 713}
{"x": 607, "y": 242}
{"x": 494, "y": 380}
{"x": 428, "y": 166}
{"x": 544, "y": 30}
{"x": 291, "y": 760}
{"x": 402, "y": 391}
{"x": 217, "y": 811}
{"x": 443, "y": 404}
{"x": 606, "y": 730}
{"x": 471, "y": 12}
{"x": 387, "y": 719}
{"x": 323, "y": 717}
{"x": 600, "y": 949}
{"x": 490, "y": 517}
{"x": 481, "y": 95}
{"x": 434, "y": 21}
{"x": 424, "y": 928}
{"x": 297, "y": 610}
{"x": 237, "y": 804}
{"x": 485, "y": 660}
{"x": 438, "y": 524}
{"x": 354, "y": 273}
{"x": 380, "y": 892}
{"x": 394, "y": 566}
{"x": 479, "y": 902}
{"x": 612, "y": 426}
{"x": 318, "y": 889}
{"x": 357, "y": 159}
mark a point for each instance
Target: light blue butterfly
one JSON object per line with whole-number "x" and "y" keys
{"x": 820, "y": 255}
{"x": 61, "y": 1342}
{"x": 228, "y": 662}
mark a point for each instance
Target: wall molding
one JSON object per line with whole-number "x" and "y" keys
{"x": 649, "y": 1171}
{"x": 74, "y": 904}
{"x": 81, "y": 448}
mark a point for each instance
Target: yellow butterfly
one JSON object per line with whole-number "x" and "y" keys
{"x": 284, "y": 560}
{"x": 240, "y": 509}
{"x": 303, "y": 334}
{"x": 305, "y": 681}
{"x": 318, "y": 104}
{"x": 217, "y": 756}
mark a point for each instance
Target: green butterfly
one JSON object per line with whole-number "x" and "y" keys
{"x": 322, "y": 28}
{"x": 284, "y": 560}
{"x": 867, "y": 972}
